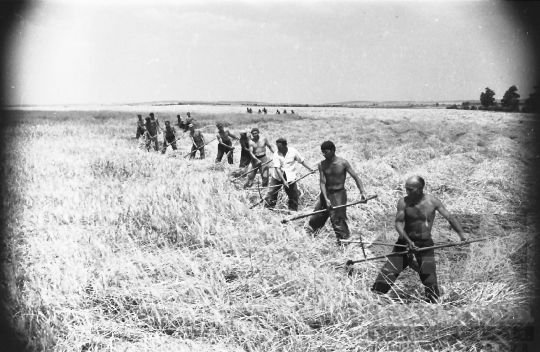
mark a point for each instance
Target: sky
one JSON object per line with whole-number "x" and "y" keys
{"x": 304, "y": 52}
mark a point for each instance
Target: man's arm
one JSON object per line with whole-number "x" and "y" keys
{"x": 353, "y": 174}
{"x": 302, "y": 161}
{"x": 277, "y": 166}
{"x": 232, "y": 135}
{"x": 400, "y": 224}
{"x": 268, "y": 145}
{"x": 280, "y": 174}
{"x": 202, "y": 137}
{"x": 306, "y": 166}
{"x": 451, "y": 219}
{"x": 322, "y": 184}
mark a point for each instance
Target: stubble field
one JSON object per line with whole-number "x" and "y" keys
{"x": 113, "y": 248}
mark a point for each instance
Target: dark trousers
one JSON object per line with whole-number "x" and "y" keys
{"x": 150, "y": 141}
{"x": 263, "y": 170}
{"x": 221, "y": 149}
{"x": 244, "y": 159}
{"x": 140, "y": 131}
{"x": 273, "y": 190}
{"x": 338, "y": 217}
{"x": 169, "y": 141}
{"x": 194, "y": 152}
{"x": 396, "y": 264}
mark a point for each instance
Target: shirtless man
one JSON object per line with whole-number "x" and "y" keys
{"x": 246, "y": 155}
{"x": 197, "y": 140}
{"x": 414, "y": 220}
{"x": 169, "y": 137}
{"x": 150, "y": 134}
{"x": 332, "y": 172}
{"x": 224, "y": 143}
{"x": 257, "y": 147}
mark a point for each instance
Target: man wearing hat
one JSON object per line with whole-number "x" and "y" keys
{"x": 224, "y": 143}
{"x": 285, "y": 160}
{"x": 140, "y": 127}
{"x": 150, "y": 134}
{"x": 257, "y": 147}
{"x": 198, "y": 142}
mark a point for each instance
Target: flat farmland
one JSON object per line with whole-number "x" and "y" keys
{"x": 112, "y": 248}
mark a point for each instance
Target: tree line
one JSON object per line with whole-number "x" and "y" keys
{"x": 509, "y": 101}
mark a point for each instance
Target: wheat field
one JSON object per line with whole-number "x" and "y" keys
{"x": 112, "y": 248}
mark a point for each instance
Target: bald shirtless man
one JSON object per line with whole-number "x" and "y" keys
{"x": 414, "y": 220}
{"x": 257, "y": 147}
{"x": 333, "y": 172}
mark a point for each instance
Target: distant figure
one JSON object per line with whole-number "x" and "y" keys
{"x": 140, "y": 127}
{"x": 259, "y": 111}
{"x": 277, "y": 112}
{"x": 184, "y": 125}
{"x": 264, "y": 110}
{"x": 150, "y": 134}
{"x": 169, "y": 137}
{"x": 224, "y": 143}
{"x": 197, "y": 140}
{"x": 188, "y": 115}
{"x": 247, "y": 110}
{"x": 284, "y": 111}
{"x": 292, "y": 111}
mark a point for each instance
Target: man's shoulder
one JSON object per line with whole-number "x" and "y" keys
{"x": 293, "y": 150}
{"x": 342, "y": 160}
{"x": 432, "y": 199}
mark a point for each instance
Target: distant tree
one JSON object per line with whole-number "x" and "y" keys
{"x": 487, "y": 98}
{"x": 466, "y": 105}
{"x": 532, "y": 104}
{"x": 511, "y": 99}
{"x": 473, "y": 107}
{"x": 436, "y": 104}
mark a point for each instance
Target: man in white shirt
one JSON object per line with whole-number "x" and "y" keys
{"x": 285, "y": 160}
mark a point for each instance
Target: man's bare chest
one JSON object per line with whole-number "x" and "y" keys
{"x": 333, "y": 169}
{"x": 420, "y": 212}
